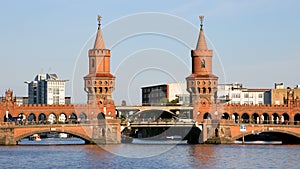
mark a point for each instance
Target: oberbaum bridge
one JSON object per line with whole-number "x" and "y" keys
{"x": 101, "y": 122}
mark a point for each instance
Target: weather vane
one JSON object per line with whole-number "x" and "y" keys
{"x": 99, "y": 20}
{"x": 201, "y": 20}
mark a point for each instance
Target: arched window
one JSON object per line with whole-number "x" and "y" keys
{"x": 202, "y": 63}
{"x": 204, "y": 90}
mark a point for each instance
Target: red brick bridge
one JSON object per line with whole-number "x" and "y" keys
{"x": 98, "y": 132}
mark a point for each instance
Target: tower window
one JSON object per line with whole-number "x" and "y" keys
{"x": 203, "y": 63}
{"x": 93, "y": 63}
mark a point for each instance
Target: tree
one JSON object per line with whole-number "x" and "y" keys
{"x": 123, "y": 103}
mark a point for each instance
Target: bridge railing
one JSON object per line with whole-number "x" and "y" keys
{"x": 42, "y": 122}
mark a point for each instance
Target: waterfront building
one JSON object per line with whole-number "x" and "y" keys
{"x": 165, "y": 93}
{"x": 235, "y": 93}
{"x": 46, "y": 89}
{"x": 18, "y": 99}
{"x": 279, "y": 95}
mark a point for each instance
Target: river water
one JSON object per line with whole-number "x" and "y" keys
{"x": 150, "y": 156}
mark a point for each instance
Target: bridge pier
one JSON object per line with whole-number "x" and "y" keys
{"x": 106, "y": 132}
{"x": 7, "y": 136}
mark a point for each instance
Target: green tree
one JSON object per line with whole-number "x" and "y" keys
{"x": 123, "y": 103}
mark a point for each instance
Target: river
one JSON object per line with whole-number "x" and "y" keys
{"x": 150, "y": 156}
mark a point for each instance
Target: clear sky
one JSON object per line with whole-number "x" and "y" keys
{"x": 255, "y": 42}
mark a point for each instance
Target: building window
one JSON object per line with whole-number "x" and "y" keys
{"x": 260, "y": 95}
{"x": 246, "y": 95}
{"x": 203, "y": 63}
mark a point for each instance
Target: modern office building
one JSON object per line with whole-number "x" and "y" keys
{"x": 163, "y": 93}
{"x": 46, "y": 89}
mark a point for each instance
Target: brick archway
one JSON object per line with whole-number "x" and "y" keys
{"x": 273, "y": 131}
{"x": 76, "y": 133}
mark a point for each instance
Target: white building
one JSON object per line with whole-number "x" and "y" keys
{"x": 178, "y": 90}
{"x": 235, "y": 94}
{"x": 46, "y": 89}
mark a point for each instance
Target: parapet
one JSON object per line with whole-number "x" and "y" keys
{"x": 93, "y": 52}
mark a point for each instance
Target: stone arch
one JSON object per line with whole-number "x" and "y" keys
{"x": 44, "y": 130}
{"x": 62, "y": 118}
{"x": 255, "y": 118}
{"x": 52, "y": 118}
{"x": 207, "y": 115}
{"x": 8, "y": 118}
{"x": 265, "y": 118}
{"x": 101, "y": 116}
{"x": 259, "y": 131}
{"x": 286, "y": 117}
{"x": 297, "y": 119}
{"x": 204, "y": 90}
{"x": 225, "y": 116}
{"x": 83, "y": 117}
{"x": 42, "y": 118}
{"x": 72, "y": 118}
{"x": 245, "y": 118}
{"x": 31, "y": 118}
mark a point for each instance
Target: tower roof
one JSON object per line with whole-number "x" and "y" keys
{"x": 201, "y": 45}
{"x": 99, "y": 42}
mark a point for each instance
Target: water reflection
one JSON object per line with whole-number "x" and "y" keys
{"x": 203, "y": 156}
{"x": 151, "y": 156}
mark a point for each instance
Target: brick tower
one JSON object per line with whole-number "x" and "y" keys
{"x": 202, "y": 83}
{"x": 99, "y": 83}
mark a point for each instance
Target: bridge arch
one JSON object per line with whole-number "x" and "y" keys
{"x": 72, "y": 118}
{"x": 225, "y": 116}
{"x": 255, "y": 118}
{"x": 82, "y": 117}
{"x": 31, "y": 118}
{"x": 265, "y": 118}
{"x": 62, "y": 118}
{"x": 44, "y": 130}
{"x": 245, "y": 118}
{"x": 297, "y": 119}
{"x": 42, "y": 118}
{"x": 287, "y": 132}
{"x": 286, "y": 118}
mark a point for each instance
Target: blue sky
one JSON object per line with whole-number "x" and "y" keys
{"x": 255, "y": 41}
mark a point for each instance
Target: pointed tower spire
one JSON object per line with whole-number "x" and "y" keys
{"x": 99, "y": 42}
{"x": 201, "y": 45}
